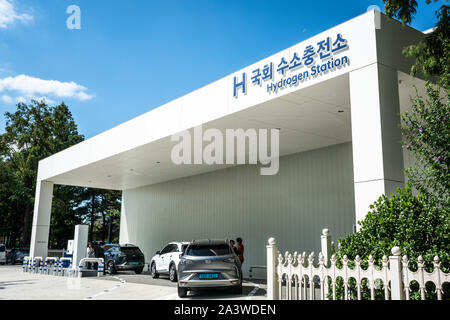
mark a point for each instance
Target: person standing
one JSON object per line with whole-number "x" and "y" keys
{"x": 90, "y": 253}
{"x": 240, "y": 249}
{"x": 233, "y": 246}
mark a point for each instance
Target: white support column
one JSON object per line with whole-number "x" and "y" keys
{"x": 272, "y": 278}
{"x": 377, "y": 152}
{"x": 80, "y": 240}
{"x": 41, "y": 219}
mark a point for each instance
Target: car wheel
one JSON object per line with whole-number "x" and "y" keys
{"x": 111, "y": 267}
{"x": 172, "y": 273}
{"x": 182, "y": 292}
{"x": 153, "y": 272}
{"x": 138, "y": 271}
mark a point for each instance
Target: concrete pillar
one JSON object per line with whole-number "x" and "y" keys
{"x": 41, "y": 219}
{"x": 80, "y": 241}
{"x": 377, "y": 152}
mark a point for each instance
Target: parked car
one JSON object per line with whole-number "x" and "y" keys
{"x": 209, "y": 263}
{"x": 107, "y": 246}
{"x": 16, "y": 255}
{"x": 166, "y": 261}
{"x": 19, "y": 254}
{"x": 3, "y": 254}
{"x": 124, "y": 257}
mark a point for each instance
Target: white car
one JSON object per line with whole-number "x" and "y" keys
{"x": 3, "y": 254}
{"x": 166, "y": 261}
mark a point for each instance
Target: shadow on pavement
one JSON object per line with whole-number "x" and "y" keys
{"x": 4, "y": 284}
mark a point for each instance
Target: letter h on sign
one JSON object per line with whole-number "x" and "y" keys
{"x": 237, "y": 85}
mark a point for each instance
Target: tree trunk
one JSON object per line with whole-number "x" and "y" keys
{"x": 103, "y": 227}
{"x": 25, "y": 239}
{"x": 91, "y": 227}
{"x": 110, "y": 228}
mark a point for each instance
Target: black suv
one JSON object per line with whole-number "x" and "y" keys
{"x": 124, "y": 257}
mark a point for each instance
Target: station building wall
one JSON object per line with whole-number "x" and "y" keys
{"x": 311, "y": 191}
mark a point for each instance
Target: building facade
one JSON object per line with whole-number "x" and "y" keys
{"x": 335, "y": 99}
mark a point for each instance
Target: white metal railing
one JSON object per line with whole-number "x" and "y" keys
{"x": 298, "y": 276}
{"x": 101, "y": 265}
{"x": 65, "y": 271}
{"x": 49, "y": 266}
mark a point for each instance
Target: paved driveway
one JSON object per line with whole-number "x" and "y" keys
{"x": 16, "y": 285}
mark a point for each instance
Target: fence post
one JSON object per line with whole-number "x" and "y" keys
{"x": 325, "y": 242}
{"x": 395, "y": 275}
{"x": 272, "y": 278}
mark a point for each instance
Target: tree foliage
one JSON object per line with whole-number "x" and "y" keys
{"x": 426, "y": 134}
{"x": 432, "y": 55}
{"x": 33, "y": 132}
{"x": 412, "y": 222}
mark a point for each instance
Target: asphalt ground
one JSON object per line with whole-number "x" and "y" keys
{"x": 17, "y": 285}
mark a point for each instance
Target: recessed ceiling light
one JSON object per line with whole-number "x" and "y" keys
{"x": 131, "y": 169}
{"x": 109, "y": 176}
{"x": 158, "y": 162}
{"x": 341, "y": 111}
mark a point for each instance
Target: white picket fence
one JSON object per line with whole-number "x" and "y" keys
{"x": 304, "y": 279}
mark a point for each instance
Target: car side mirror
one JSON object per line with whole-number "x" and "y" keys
{"x": 158, "y": 252}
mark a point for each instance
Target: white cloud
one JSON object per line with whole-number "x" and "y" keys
{"x": 8, "y": 15}
{"x": 6, "y": 99}
{"x": 32, "y": 87}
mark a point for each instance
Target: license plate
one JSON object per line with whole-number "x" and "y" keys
{"x": 133, "y": 262}
{"x": 208, "y": 276}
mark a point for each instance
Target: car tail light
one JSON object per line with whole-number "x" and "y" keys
{"x": 186, "y": 261}
{"x": 235, "y": 281}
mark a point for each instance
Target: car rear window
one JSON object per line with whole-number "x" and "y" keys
{"x": 2, "y": 248}
{"x": 132, "y": 250}
{"x": 208, "y": 250}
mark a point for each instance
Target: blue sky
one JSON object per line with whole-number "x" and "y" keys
{"x": 132, "y": 56}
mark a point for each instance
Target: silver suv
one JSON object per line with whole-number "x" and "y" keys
{"x": 209, "y": 263}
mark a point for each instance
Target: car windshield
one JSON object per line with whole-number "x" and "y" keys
{"x": 209, "y": 250}
{"x": 2, "y": 248}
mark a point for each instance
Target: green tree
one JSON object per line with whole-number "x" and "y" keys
{"x": 33, "y": 132}
{"x": 105, "y": 217}
{"x": 426, "y": 134}
{"x": 411, "y": 222}
{"x": 432, "y": 55}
